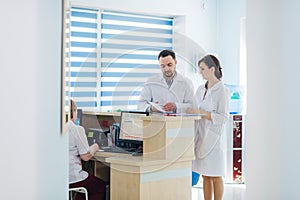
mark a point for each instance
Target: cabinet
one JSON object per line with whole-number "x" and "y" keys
{"x": 235, "y": 149}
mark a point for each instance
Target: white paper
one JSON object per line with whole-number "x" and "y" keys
{"x": 157, "y": 107}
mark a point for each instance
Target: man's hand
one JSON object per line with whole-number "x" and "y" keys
{"x": 169, "y": 106}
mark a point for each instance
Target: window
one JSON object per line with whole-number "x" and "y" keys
{"x": 81, "y": 57}
{"x": 111, "y": 54}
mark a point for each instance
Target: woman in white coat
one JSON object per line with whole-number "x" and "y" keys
{"x": 211, "y": 99}
{"x": 79, "y": 149}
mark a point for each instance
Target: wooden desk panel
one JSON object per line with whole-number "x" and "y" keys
{"x": 150, "y": 180}
{"x": 101, "y": 167}
{"x": 168, "y": 137}
{"x": 160, "y": 176}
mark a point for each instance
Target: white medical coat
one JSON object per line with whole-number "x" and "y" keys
{"x": 78, "y": 145}
{"x": 210, "y": 140}
{"x": 156, "y": 89}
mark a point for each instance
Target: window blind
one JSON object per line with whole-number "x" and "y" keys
{"x": 82, "y": 57}
{"x": 109, "y": 56}
{"x": 130, "y": 44}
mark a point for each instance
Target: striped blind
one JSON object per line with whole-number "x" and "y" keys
{"x": 111, "y": 54}
{"x": 82, "y": 57}
{"x": 130, "y": 44}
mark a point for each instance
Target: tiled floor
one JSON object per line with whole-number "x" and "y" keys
{"x": 231, "y": 192}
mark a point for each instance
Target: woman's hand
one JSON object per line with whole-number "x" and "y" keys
{"x": 207, "y": 115}
{"x": 87, "y": 156}
{"x": 192, "y": 111}
{"x": 93, "y": 149}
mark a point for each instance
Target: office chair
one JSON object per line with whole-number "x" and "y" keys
{"x": 78, "y": 189}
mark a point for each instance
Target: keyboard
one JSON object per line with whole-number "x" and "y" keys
{"x": 115, "y": 149}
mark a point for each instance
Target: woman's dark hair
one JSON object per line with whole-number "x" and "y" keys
{"x": 212, "y": 61}
{"x": 165, "y": 53}
{"x": 73, "y": 108}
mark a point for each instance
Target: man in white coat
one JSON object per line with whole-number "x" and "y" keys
{"x": 170, "y": 90}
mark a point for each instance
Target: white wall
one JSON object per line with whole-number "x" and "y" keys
{"x": 198, "y": 21}
{"x": 230, "y": 13}
{"x": 195, "y": 25}
{"x": 34, "y": 154}
{"x": 273, "y": 139}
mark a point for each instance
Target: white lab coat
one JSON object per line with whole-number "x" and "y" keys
{"x": 78, "y": 145}
{"x": 210, "y": 140}
{"x": 156, "y": 89}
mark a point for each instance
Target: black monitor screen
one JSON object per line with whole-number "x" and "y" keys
{"x": 79, "y": 117}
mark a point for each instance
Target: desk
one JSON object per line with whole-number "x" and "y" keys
{"x": 134, "y": 178}
{"x": 164, "y": 170}
{"x": 101, "y": 168}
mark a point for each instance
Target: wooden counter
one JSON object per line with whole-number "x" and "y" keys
{"x": 164, "y": 171}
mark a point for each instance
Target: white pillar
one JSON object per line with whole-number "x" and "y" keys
{"x": 272, "y": 123}
{"x": 34, "y": 155}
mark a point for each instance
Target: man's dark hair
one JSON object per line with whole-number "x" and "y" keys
{"x": 165, "y": 53}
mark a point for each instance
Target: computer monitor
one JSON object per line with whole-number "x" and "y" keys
{"x": 98, "y": 136}
{"x": 131, "y": 129}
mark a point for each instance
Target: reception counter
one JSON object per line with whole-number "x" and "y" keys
{"x": 164, "y": 170}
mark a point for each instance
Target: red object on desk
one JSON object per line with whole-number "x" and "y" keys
{"x": 104, "y": 123}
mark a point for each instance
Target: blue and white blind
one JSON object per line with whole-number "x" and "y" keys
{"x": 110, "y": 55}
{"x": 82, "y": 65}
{"x": 130, "y": 44}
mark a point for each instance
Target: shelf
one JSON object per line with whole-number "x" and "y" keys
{"x": 117, "y": 114}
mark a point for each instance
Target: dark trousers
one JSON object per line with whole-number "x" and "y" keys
{"x": 94, "y": 185}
